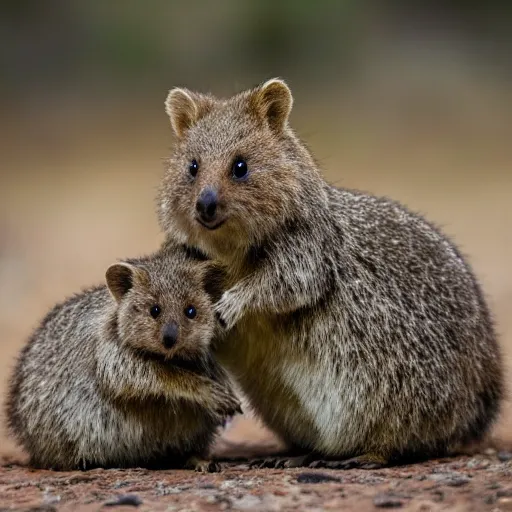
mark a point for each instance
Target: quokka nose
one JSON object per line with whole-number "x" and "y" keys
{"x": 170, "y": 334}
{"x": 206, "y": 204}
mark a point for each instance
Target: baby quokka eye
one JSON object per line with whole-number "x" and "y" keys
{"x": 190, "y": 312}
{"x": 155, "y": 311}
{"x": 193, "y": 168}
{"x": 239, "y": 169}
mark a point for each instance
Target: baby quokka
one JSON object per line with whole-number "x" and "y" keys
{"x": 355, "y": 327}
{"x": 122, "y": 375}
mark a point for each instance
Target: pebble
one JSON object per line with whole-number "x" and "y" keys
{"x": 504, "y": 456}
{"x": 206, "y": 485}
{"x": 122, "y": 483}
{"x": 450, "y": 479}
{"x": 476, "y": 463}
{"x": 316, "y": 478}
{"x": 438, "y": 495}
{"x": 49, "y": 498}
{"x": 490, "y": 499}
{"x": 387, "y": 501}
{"x": 124, "y": 499}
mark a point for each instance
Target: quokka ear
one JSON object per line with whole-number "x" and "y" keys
{"x": 273, "y": 102}
{"x": 185, "y": 108}
{"x": 214, "y": 280}
{"x": 121, "y": 277}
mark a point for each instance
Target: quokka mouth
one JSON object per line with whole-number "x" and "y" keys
{"x": 211, "y": 227}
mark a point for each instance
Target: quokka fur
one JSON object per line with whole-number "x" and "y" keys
{"x": 354, "y": 326}
{"x": 96, "y": 386}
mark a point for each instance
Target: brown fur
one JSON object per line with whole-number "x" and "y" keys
{"x": 354, "y": 325}
{"x": 95, "y": 385}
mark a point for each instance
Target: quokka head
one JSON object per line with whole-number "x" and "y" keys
{"x": 165, "y": 304}
{"x": 237, "y": 169}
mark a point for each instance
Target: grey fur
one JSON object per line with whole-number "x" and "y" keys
{"x": 95, "y": 386}
{"x": 355, "y": 326}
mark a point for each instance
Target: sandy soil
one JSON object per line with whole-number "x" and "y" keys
{"x": 74, "y": 198}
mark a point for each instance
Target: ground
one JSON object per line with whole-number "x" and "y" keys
{"x": 480, "y": 482}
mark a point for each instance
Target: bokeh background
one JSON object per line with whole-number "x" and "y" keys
{"x": 407, "y": 99}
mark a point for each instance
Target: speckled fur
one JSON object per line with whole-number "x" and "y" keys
{"x": 355, "y": 326}
{"x": 95, "y": 386}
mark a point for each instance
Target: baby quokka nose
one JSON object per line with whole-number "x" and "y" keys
{"x": 170, "y": 334}
{"x": 206, "y": 205}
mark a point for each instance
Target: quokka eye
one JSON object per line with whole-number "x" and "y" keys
{"x": 193, "y": 168}
{"x": 190, "y": 312}
{"x": 239, "y": 169}
{"x": 155, "y": 311}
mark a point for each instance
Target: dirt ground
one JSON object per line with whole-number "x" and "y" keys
{"x": 482, "y": 482}
{"x": 75, "y": 196}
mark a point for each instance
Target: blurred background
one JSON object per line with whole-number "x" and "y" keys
{"x": 406, "y": 99}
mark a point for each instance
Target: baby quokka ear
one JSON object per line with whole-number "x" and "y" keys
{"x": 121, "y": 277}
{"x": 273, "y": 102}
{"x": 185, "y": 108}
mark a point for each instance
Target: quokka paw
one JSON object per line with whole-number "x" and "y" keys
{"x": 201, "y": 465}
{"x": 207, "y": 466}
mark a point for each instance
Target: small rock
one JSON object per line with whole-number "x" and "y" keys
{"x": 49, "y": 498}
{"x": 504, "y": 493}
{"x": 206, "y": 485}
{"x": 222, "y": 501}
{"x": 316, "y": 478}
{"x": 76, "y": 479}
{"x": 124, "y": 499}
{"x": 476, "y": 463}
{"x": 504, "y": 456}
{"x": 450, "y": 479}
{"x": 121, "y": 483}
{"x": 438, "y": 495}
{"x": 458, "y": 481}
{"x": 490, "y": 499}
{"x": 163, "y": 490}
{"x": 387, "y": 501}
